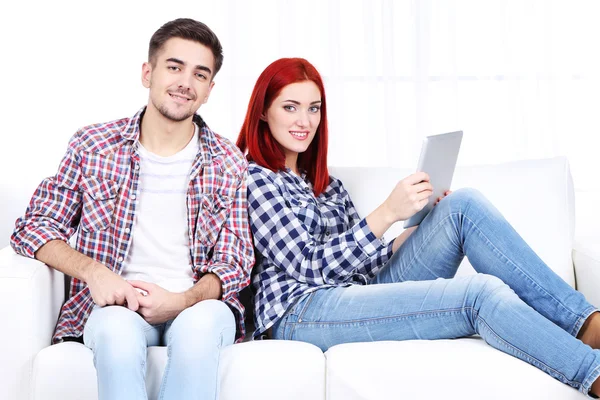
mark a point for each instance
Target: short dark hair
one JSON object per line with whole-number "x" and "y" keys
{"x": 186, "y": 28}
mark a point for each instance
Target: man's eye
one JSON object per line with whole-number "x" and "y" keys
{"x": 173, "y": 68}
{"x": 201, "y": 76}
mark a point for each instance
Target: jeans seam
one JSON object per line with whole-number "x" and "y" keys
{"x": 581, "y": 320}
{"x": 587, "y": 383}
{"x": 308, "y": 301}
{"x": 386, "y": 318}
{"x": 536, "y": 362}
{"x": 418, "y": 251}
{"x": 535, "y": 284}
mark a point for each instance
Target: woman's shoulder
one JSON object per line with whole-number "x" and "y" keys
{"x": 261, "y": 176}
{"x": 258, "y": 171}
{"x": 335, "y": 185}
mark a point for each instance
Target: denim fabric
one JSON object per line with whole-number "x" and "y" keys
{"x": 515, "y": 302}
{"x": 119, "y": 338}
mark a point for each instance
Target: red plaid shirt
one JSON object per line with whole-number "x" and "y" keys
{"x": 95, "y": 190}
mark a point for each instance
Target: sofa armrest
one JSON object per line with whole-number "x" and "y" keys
{"x": 586, "y": 261}
{"x": 31, "y": 295}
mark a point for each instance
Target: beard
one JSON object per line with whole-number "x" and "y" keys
{"x": 180, "y": 115}
{"x": 172, "y": 116}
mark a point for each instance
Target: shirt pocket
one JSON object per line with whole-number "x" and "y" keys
{"x": 307, "y": 213}
{"x": 334, "y": 214}
{"x": 214, "y": 210}
{"x": 99, "y": 199}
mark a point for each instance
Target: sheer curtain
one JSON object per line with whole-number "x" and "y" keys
{"x": 519, "y": 77}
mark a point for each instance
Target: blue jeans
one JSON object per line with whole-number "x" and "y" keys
{"x": 119, "y": 339}
{"x": 515, "y": 303}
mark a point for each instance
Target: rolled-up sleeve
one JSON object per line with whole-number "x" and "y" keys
{"x": 233, "y": 253}
{"x": 281, "y": 237}
{"x": 54, "y": 210}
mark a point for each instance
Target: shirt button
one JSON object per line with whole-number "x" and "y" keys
{"x": 133, "y": 197}
{"x": 307, "y": 189}
{"x": 137, "y": 166}
{"x": 120, "y": 259}
{"x": 327, "y": 232}
{"x": 127, "y": 230}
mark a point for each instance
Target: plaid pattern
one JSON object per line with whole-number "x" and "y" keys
{"x": 95, "y": 191}
{"x": 304, "y": 242}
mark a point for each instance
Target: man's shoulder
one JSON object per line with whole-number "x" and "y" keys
{"x": 233, "y": 158}
{"x": 101, "y": 137}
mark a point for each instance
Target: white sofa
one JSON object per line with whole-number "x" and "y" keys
{"x": 536, "y": 196}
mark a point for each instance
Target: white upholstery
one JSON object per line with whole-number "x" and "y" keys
{"x": 535, "y": 196}
{"x": 442, "y": 369}
{"x": 70, "y": 365}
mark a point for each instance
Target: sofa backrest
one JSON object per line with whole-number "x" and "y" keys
{"x": 535, "y": 196}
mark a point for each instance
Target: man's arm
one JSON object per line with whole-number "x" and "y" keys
{"x": 51, "y": 219}
{"x": 106, "y": 287}
{"x": 233, "y": 253}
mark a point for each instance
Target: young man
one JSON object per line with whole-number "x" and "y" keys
{"x": 163, "y": 244}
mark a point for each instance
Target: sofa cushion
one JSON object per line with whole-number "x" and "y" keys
{"x": 259, "y": 370}
{"x": 535, "y": 196}
{"x": 461, "y": 369}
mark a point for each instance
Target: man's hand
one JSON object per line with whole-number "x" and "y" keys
{"x": 446, "y": 193}
{"x": 409, "y": 196}
{"x": 108, "y": 288}
{"x": 158, "y": 305}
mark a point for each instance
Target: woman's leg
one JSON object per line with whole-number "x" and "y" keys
{"x": 465, "y": 223}
{"x": 443, "y": 308}
{"x": 119, "y": 339}
{"x": 194, "y": 340}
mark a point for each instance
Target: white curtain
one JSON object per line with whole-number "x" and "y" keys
{"x": 519, "y": 77}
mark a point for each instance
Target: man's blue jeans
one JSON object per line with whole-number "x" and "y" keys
{"x": 119, "y": 339}
{"x": 515, "y": 303}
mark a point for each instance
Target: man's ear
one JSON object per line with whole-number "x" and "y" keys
{"x": 146, "y": 74}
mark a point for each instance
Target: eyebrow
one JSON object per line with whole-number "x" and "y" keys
{"x": 180, "y": 62}
{"x": 298, "y": 103}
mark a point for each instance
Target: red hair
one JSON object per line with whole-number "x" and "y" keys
{"x": 255, "y": 137}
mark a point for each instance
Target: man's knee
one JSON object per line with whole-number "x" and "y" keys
{"x": 208, "y": 318}
{"x": 116, "y": 326}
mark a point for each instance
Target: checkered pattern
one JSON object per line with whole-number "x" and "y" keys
{"x": 305, "y": 242}
{"x": 94, "y": 192}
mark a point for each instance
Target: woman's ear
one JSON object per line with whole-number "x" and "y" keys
{"x": 263, "y": 117}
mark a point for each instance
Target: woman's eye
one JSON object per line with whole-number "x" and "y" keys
{"x": 314, "y": 109}
{"x": 289, "y": 108}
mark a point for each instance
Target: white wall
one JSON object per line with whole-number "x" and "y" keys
{"x": 66, "y": 64}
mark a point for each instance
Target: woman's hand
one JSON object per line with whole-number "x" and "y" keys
{"x": 409, "y": 196}
{"x": 446, "y": 193}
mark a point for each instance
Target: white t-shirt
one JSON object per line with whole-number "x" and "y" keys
{"x": 160, "y": 252}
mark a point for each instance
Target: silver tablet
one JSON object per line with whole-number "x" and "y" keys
{"x": 438, "y": 159}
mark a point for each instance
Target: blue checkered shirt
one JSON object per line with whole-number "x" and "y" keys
{"x": 304, "y": 243}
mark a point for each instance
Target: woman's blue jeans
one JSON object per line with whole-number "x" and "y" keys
{"x": 119, "y": 339}
{"x": 515, "y": 302}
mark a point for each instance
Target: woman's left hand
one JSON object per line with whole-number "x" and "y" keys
{"x": 446, "y": 193}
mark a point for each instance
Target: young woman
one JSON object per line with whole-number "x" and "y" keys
{"x": 325, "y": 276}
